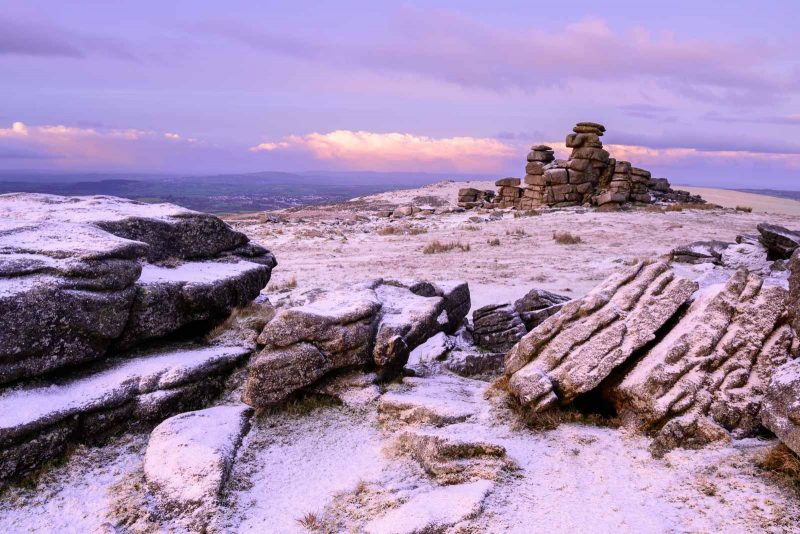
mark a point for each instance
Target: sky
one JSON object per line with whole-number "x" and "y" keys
{"x": 698, "y": 92}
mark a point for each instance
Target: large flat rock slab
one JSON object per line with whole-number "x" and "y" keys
{"x": 37, "y": 422}
{"x": 573, "y": 351}
{"x": 706, "y": 378}
{"x": 190, "y": 455}
{"x": 167, "y": 299}
{"x": 170, "y": 231}
{"x": 438, "y": 401}
{"x": 781, "y": 404}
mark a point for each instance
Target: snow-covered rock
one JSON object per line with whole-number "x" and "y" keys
{"x": 707, "y": 377}
{"x": 190, "y": 455}
{"x": 433, "y": 511}
{"x": 781, "y": 405}
{"x": 700, "y": 252}
{"x": 37, "y": 422}
{"x": 70, "y": 271}
{"x": 574, "y": 350}
{"x": 437, "y": 400}
{"x": 781, "y": 242}
{"x": 372, "y": 324}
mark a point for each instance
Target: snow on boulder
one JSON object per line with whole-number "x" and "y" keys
{"x": 433, "y": 511}
{"x": 781, "y": 405}
{"x": 70, "y": 272}
{"x": 780, "y": 241}
{"x": 170, "y": 231}
{"x": 190, "y": 455}
{"x": 574, "y": 350}
{"x": 375, "y": 324}
{"x": 437, "y": 400}
{"x": 37, "y": 422}
{"x": 167, "y": 299}
{"x": 706, "y": 377}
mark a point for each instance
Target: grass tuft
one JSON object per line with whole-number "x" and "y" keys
{"x": 437, "y": 247}
{"x": 566, "y": 238}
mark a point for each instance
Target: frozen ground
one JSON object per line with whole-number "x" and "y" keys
{"x": 303, "y": 465}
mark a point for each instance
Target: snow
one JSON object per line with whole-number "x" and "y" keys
{"x": 82, "y": 209}
{"x": 196, "y": 272}
{"x": 433, "y": 348}
{"x": 189, "y": 455}
{"x": 433, "y": 510}
{"x": 34, "y": 407}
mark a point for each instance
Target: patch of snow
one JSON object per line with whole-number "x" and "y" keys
{"x": 195, "y": 272}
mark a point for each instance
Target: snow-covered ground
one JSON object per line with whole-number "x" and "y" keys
{"x": 297, "y": 467}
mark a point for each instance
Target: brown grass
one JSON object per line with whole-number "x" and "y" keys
{"x": 494, "y": 242}
{"x": 566, "y": 238}
{"x": 517, "y": 232}
{"x": 746, "y": 209}
{"x": 782, "y": 461}
{"x": 310, "y": 522}
{"x": 404, "y": 229}
{"x": 470, "y": 227}
{"x": 281, "y": 287}
{"x": 674, "y": 207}
{"x": 437, "y": 247}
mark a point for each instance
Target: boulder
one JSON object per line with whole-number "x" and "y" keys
{"x": 700, "y": 252}
{"x": 780, "y": 410}
{"x": 167, "y": 299}
{"x": 780, "y": 242}
{"x": 189, "y": 456}
{"x": 170, "y": 231}
{"x": 497, "y": 327}
{"x": 507, "y": 182}
{"x": 793, "y": 299}
{"x": 537, "y": 305}
{"x": 437, "y": 400}
{"x": 706, "y": 378}
{"x": 373, "y": 324}
{"x": 70, "y": 271}
{"x": 575, "y": 349}
{"x": 38, "y": 422}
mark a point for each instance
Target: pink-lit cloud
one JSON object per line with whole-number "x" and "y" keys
{"x": 398, "y": 151}
{"x": 454, "y": 48}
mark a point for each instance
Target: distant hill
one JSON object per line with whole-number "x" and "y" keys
{"x": 224, "y": 193}
{"x": 780, "y": 193}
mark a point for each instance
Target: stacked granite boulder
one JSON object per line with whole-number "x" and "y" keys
{"x": 589, "y": 177}
{"x": 469, "y": 197}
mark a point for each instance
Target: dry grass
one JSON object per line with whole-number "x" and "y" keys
{"x": 310, "y": 522}
{"x": 404, "y": 229}
{"x": 470, "y": 227}
{"x": 746, "y": 209}
{"x": 437, "y": 247}
{"x": 782, "y": 461}
{"x": 566, "y": 238}
{"x": 517, "y": 232}
{"x": 674, "y": 207}
{"x": 494, "y": 242}
{"x": 282, "y": 287}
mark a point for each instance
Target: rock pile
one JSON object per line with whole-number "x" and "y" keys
{"x": 374, "y": 324}
{"x": 83, "y": 280}
{"x": 469, "y": 197}
{"x": 589, "y": 177}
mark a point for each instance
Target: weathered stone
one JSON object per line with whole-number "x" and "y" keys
{"x": 610, "y": 196}
{"x": 635, "y": 171}
{"x": 707, "y": 376}
{"x": 793, "y": 299}
{"x": 622, "y": 167}
{"x": 780, "y": 242}
{"x": 659, "y": 184}
{"x": 439, "y": 400}
{"x": 595, "y": 154}
{"x": 595, "y": 125}
{"x": 514, "y": 182}
{"x": 543, "y": 157}
{"x": 700, "y": 252}
{"x": 537, "y": 305}
{"x": 542, "y": 148}
{"x": 497, "y": 327}
{"x": 189, "y": 456}
{"x": 451, "y": 459}
{"x": 433, "y": 511}
{"x": 38, "y": 422}
{"x": 534, "y": 167}
{"x": 536, "y": 179}
{"x": 780, "y": 410}
{"x": 469, "y": 191}
{"x": 557, "y": 176}
{"x": 574, "y": 350}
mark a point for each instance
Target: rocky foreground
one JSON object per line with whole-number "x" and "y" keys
{"x": 153, "y": 381}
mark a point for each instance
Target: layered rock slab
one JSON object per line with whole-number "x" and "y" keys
{"x": 706, "y": 378}
{"x": 780, "y": 411}
{"x": 779, "y": 241}
{"x": 37, "y": 422}
{"x": 574, "y": 350}
{"x": 376, "y": 324}
{"x": 433, "y": 511}
{"x": 190, "y": 455}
